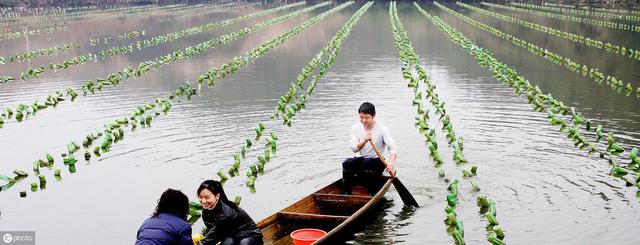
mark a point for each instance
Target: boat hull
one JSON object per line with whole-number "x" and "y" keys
{"x": 327, "y": 209}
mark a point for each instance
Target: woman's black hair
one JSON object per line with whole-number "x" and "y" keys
{"x": 173, "y": 201}
{"x": 367, "y": 108}
{"x": 216, "y": 188}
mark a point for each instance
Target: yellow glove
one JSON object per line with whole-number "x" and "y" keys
{"x": 197, "y": 237}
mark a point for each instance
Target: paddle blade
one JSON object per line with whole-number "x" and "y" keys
{"x": 404, "y": 193}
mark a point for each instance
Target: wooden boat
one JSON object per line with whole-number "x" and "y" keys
{"x": 327, "y": 209}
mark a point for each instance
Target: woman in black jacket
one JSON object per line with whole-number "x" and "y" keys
{"x": 225, "y": 222}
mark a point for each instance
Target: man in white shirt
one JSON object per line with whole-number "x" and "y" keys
{"x": 366, "y": 163}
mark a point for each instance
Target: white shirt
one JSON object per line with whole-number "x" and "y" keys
{"x": 379, "y": 134}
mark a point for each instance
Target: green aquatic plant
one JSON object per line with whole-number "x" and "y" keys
{"x": 613, "y": 147}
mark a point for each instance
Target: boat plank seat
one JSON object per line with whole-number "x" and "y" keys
{"x": 312, "y": 217}
{"x": 341, "y": 198}
{"x": 337, "y": 204}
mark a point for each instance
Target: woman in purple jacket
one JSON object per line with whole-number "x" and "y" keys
{"x": 168, "y": 224}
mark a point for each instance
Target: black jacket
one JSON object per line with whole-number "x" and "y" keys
{"x": 225, "y": 221}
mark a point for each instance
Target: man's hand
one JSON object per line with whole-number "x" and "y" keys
{"x": 391, "y": 165}
{"x": 367, "y": 136}
{"x": 391, "y": 168}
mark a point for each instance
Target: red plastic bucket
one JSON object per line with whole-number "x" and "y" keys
{"x": 306, "y": 236}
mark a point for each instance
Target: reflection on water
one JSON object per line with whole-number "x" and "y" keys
{"x": 546, "y": 190}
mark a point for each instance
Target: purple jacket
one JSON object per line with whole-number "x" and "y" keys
{"x": 166, "y": 229}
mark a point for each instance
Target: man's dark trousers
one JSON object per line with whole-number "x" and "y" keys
{"x": 367, "y": 169}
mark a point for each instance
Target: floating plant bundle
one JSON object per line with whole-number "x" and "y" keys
{"x": 635, "y": 160}
{"x": 223, "y": 177}
{"x": 20, "y": 174}
{"x": 452, "y": 200}
{"x": 451, "y": 217}
{"x": 457, "y": 154}
{"x": 493, "y": 238}
{"x": 252, "y": 181}
{"x": 72, "y": 147}
{"x": 434, "y": 154}
{"x": 194, "y": 216}
{"x": 259, "y": 130}
{"x": 471, "y": 172}
{"x": 9, "y": 182}
{"x": 618, "y": 171}
{"x": 5, "y": 79}
{"x": 613, "y": 147}
{"x": 557, "y": 121}
{"x": 43, "y": 181}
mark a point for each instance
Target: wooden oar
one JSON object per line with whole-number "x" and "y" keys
{"x": 405, "y": 195}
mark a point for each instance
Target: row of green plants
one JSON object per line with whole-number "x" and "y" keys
{"x": 287, "y": 107}
{"x": 598, "y": 76}
{"x": 93, "y": 14}
{"x": 18, "y": 27}
{"x": 28, "y": 55}
{"x": 487, "y": 207}
{"x": 575, "y": 11}
{"x": 599, "y": 23}
{"x": 168, "y": 37}
{"x": 558, "y": 113}
{"x": 204, "y": 10}
{"x": 22, "y": 11}
{"x": 559, "y": 5}
{"x": 618, "y": 11}
{"x": 122, "y": 36}
{"x": 57, "y": 11}
{"x": 33, "y": 32}
{"x": 411, "y": 62}
{"x": 145, "y": 114}
{"x": 81, "y": 59}
{"x": 123, "y": 49}
{"x": 602, "y": 45}
{"x": 63, "y": 24}
{"x": 24, "y": 111}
